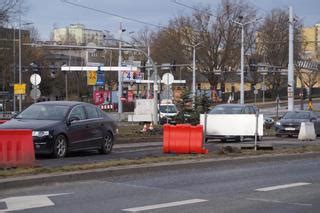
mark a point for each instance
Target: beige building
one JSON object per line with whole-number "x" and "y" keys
{"x": 77, "y": 34}
{"x": 311, "y": 42}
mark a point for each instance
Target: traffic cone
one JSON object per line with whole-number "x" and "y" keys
{"x": 151, "y": 126}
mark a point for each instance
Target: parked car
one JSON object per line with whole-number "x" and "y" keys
{"x": 233, "y": 109}
{"x": 60, "y": 127}
{"x": 291, "y": 121}
{"x": 167, "y": 113}
{"x": 268, "y": 122}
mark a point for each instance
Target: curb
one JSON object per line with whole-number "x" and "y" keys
{"x": 44, "y": 179}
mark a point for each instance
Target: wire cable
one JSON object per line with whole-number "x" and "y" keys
{"x": 112, "y": 14}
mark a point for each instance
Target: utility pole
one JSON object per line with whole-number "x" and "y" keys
{"x": 290, "y": 65}
{"x": 20, "y": 96}
{"x": 242, "y": 67}
{"x": 193, "y": 71}
{"x": 14, "y": 67}
{"x": 119, "y": 72}
{"x": 148, "y": 69}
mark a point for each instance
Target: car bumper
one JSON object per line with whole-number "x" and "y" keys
{"x": 287, "y": 130}
{"x": 43, "y": 145}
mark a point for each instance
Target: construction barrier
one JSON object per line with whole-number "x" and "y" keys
{"x": 3, "y": 121}
{"x": 183, "y": 139}
{"x": 16, "y": 148}
{"x": 307, "y": 132}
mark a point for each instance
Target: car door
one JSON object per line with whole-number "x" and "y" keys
{"x": 95, "y": 125}
{"x": 77, "y": 130}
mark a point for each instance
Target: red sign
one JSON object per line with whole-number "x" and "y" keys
{"x": 130, "y": 96}
{"x": 101, "y": 96}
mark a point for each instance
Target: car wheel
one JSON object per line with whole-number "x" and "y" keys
{"x": 60, "y": 148}
{"x": 259, "y": 138}
{"x": 107, "y": 144}
{"x": 223, "y": 140}
{"x": 278, "y": 135}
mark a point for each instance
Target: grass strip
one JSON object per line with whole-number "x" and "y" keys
{"x": 233, "y": 153}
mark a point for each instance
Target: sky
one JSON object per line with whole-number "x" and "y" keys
{"x": 47, "y": 14}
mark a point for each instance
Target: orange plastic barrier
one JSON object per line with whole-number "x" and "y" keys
{"x": 16, "y": 148}
{"x": 183, "y": 139}
{"x": 3, "y": 121}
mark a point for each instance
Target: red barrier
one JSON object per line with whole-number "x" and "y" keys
{"x": 3, "y": 121}
{"x": 183, "y": 139}
{"x": 16, "y": 148}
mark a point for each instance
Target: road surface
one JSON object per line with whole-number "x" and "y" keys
{"x": 289, "y": 184}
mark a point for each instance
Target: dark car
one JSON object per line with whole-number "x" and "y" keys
{"x": 233, "y": 109}
{"x": 60, "y": 127}
{"x": 290, "y": 123}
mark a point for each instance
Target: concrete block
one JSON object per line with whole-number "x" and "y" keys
{"x": 307, "y": 132}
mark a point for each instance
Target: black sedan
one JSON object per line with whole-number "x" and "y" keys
{"x": 290, "y": 123}
{"x": 60, "y": 127}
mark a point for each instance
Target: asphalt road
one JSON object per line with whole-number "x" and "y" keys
{"x": 154, "y": 149}
{"x": 289, "y": 184}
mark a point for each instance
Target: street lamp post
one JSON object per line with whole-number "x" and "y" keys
{"x": 242, "y": 25}
{"x": 20, "y": 96}
{"x": 20, "y": 68}
{"x": 119, "y": 72}
{"x": 194, "y": 72}
{"x": 14, "y": 66}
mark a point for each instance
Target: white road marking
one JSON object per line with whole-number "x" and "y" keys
{"x": 164, "y": 205}
{"x": 278, "y": 201}
{"x": 281, "y": 187}
{"x": 28, "y": 202}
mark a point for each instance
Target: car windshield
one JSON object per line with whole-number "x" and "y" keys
{"x": 226, "y": 110}
{"x": 44, "y": 112}
{"x": 168, "y": 109}
{"x": 297, "y": 115}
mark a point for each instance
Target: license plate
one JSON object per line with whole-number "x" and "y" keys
{"x": 290, "y": 129}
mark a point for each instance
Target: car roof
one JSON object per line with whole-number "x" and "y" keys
{"x": 61, "y": 103}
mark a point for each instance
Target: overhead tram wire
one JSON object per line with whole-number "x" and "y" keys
{"x": 112, "y": 14}
{"x": 191, "y": 7}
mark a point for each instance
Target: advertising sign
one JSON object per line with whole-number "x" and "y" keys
{"x": 130, "y": 96}
{"x": 131, "y": 75}
{"x": 101, "y": 97}
{"x": 19, "y": 89}
{"x": 100, "y": 77}
{"x": 91, "y": 78}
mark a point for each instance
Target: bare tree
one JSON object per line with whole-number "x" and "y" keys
{"x": 7, "y": 9}
{"x": 273, "y": 45}
{"x": 218, "y": 35}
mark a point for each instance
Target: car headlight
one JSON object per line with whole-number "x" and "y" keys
{"x": 278, "y": 123}
{"x": 40, "y": 133}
